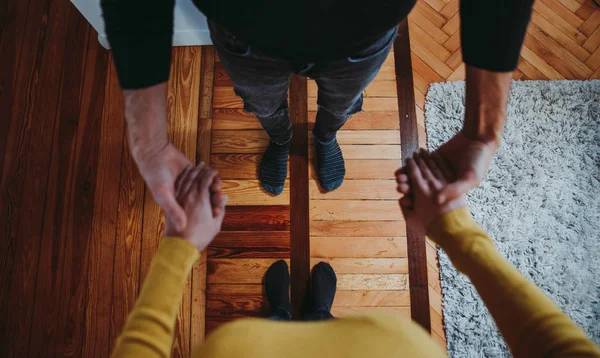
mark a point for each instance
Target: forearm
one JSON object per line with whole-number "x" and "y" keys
{"x": 486, "y": 100}
{"x": 532, "y": 325}
{"x": 149, "y": 329}
{"x": 146, "y": 116}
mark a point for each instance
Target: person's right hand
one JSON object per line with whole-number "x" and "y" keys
{"x": 204, "y": 208}
{"x": 428, "y": 175}
{"x": 159, "y": 169}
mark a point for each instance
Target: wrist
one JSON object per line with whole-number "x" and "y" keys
{"x": 199, "y": 242}
{"x": 485, "y": 125}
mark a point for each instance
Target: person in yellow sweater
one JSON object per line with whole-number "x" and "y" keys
{"x": 531, "y": 324}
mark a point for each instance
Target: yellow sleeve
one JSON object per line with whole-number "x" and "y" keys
{"x": 532, "y": 325}
{"x": 149, "y": 329}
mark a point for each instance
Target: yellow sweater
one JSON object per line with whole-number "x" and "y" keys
{"x": 532, "y": 325}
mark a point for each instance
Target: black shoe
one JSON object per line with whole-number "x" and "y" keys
{"x": 323, "y": 286}
{"x": 277, "y": 287}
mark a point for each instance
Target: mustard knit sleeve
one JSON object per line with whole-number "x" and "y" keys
{"x": 532, "y": 325}
{"x": 149, "y": 329}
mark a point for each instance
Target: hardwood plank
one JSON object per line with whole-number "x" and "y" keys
{"x": 237, "y": 166}
{"x": 246, "y": 271}
{"x": 375, "y": 282}
{"x": 450, "y": 9}
{"x": 429, "y": 13}
{"x": 594, "y": 61}
{"x": 381, "y": 89}
{"x": 431, "y": 60}
{"x": 437, "y": 5}
{"x": 586, "y": 10}
{"x": 126, "y": 272}
{"x": 570, "y": 5}
{"x": 453, "y": 25}
{"x": 353, "y": 311}
{"x": 31, "y": 169}
{"x": 419, "y": 98}
{"x": 106, "y": 201}
{"x": 455, "y": 59}
{"x": 371, "y": 299}
{"x": 225, "y": 97}
{"x": 420, "y": 83}
{"x": 354, "y": 210}
{"x": 17, "y": 98}
{"x": 357, "y": 228}
{"x": 62, "y": 261}
{"x": 203, "y": 140}
{"x": 299, "y": 202}
{"x": 257, "y": 218}
{"x": 13, "y": 21}
{"x": 249, "y": 192}
{"x": 549, "y": 28}
{"x": 386, "y": 73}
{"x": 556, "y": 63}
{"x": 561, "y": 10}
{"x": 426, "y": 22}
{"x": 559, "y": 22}
{"x": 529, "y": 70}
{"x": 453, "y": 44}
{"x": 357, "y": 189}
{"x": 236, "y": 306}
{"x": 578, "y": 69}
{"x": 235, "y": 119}
{"x": 459, "y": 74}
{"x": 221, "y": 78}
{"x": 591, "y": 23}
{"x": 424, "y": 70}
{"x": 239, "y": 141}
{"x": 541, "y": 65}
{"x": 323, "y": 247}
{"x": 250, "y": 244}
{"x": 375, "y": 120}
{"x": 424, "y": 39}
{"x": 437, "y": 324}
{"x": 366, "y": 169}
{"x": 366, "y": 136}
{"x": 234, "y": 289}
{"x": 187, "y": 106}
{"x": 369, "y": 104}
{"x": 365, "y": 265}
{"x": 410, "y": 141}
{"x": 365, "y": 151}
{"x": 593, "y": 42}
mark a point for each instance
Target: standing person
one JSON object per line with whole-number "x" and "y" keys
{"x": 531, "y": 324}
{"x": 340, "y": 44}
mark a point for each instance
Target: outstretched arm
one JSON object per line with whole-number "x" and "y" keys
{"x": 532, "y": 325}
{"x": 139, "y": 33}
{"x": 492, "y": 33}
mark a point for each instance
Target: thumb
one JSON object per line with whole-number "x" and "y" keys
{"x": 172, "y": 209}
{"x": 456, "y": 188}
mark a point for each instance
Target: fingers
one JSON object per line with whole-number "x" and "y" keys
{"x": 416, "y": 178}
{"x": 221, "y": 211}
{"x": 165, "y": 197}
{"x": 433, "y": 167}
{"x": 206, "y": 179}
{"x": 180, "y": 179}
{"x": 420, "y": 159}
{"x": 454, "y": 190}
{"x": 190, "y": 178}
{"x": 443, "y": 166}
{"x": 216, "y": 185}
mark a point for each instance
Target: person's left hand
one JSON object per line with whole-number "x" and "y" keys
{"x": 198, "y": 192}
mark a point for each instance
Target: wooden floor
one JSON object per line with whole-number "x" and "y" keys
{"x": 79, "y": 228}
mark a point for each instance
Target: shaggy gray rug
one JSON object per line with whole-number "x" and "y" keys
{"x": 540, "y": 202}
